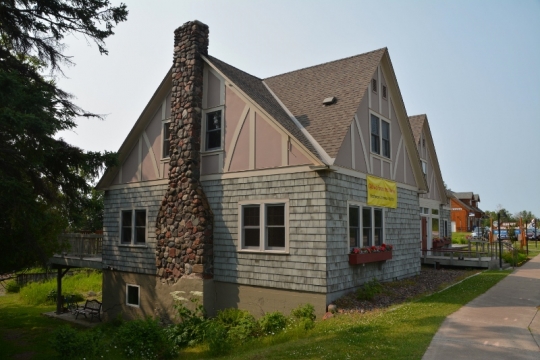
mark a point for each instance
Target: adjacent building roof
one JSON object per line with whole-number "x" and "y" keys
{"x": 463, "y": 195}
{"x": 417, "y": 121}
{"x": 303, "y": 91}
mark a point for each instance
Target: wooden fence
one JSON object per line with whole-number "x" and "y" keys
{"x": 82, "y": 245}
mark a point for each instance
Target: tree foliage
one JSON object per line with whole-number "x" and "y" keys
{"x": 44, "y": 180}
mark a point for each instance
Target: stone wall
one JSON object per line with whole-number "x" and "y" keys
{"x": 140, "y": 259}
{"x": 402, "y": 231}
{"x": 304, "y": 267}
{"x": 184, "y": 222}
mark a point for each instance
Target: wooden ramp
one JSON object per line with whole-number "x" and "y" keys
{"x": 484, "y": 262}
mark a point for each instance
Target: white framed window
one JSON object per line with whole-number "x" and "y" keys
{"x": 133, "y": 227}
{"x": 380, "y": 136}
{"x": 166, "y": 132}
{"x": 133, "y": 295}
{"x": 213, "y": 129}
{"x": 445, "y": 228}
{"x": 264, "y": 225}
{"x": 366, "y": 225}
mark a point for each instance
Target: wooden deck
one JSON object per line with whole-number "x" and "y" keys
{"x": 477, "y": 256}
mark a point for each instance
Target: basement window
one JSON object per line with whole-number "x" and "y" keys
{"x": 133, "y": 295}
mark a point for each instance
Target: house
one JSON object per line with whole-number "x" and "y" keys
{"x": 434, "y": 205}
{"x": 465, "y": 213}
{"x": 251, "y": 192}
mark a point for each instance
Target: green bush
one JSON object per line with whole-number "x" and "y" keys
{"x": 143, "y": 339}
{"x": 192, "y": 328}
{"x": 70, "y": 343}
{"x": 273, "y": 323}
{"x": 12, "y": 286}
{"x": 514, "y": 257}
{"x": 369, "y": 290}
{"x": 240, "y": 324}
{"x": 217, "y": 337}
{"x": 304, "y": 316}
{"x": 306, "y": 311}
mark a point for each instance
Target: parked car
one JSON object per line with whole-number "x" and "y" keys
{"x": 504, "y": 234}
{"x": 530, "y": 234}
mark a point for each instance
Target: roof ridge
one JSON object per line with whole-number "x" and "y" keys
{"x": 234, "y": 67}
{"x": 326, "y": 63}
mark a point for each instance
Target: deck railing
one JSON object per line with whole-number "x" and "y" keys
{"x": 82, "y": 245}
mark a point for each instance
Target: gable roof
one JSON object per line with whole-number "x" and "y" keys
{"x": 254, "y": 88}
{"x": 417, "y": 124}
{"x": 303, "y": 91}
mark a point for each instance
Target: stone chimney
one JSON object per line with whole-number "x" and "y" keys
{"x": 184, "y": 225}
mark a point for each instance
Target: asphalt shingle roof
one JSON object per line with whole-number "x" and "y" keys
{"x": 253, "y": 87}
{"x": 303, "y": 91}
{"x": 417, "y": 121}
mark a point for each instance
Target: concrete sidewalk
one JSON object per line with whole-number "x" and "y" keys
{"x": 503, "y": 323}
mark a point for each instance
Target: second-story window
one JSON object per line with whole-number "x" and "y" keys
{"x": 213, "y": 130}
{"x": 380, "y": 136}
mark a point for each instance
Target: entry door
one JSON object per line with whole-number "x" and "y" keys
{"x": 424, "y": 233}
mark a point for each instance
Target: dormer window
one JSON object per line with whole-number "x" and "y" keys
{"x": 374, "y": 85}
{"x": 213, "y": 130}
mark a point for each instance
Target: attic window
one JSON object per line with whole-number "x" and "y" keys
{"x": 374, "y": 85}
{"x": 423, "y": 142}
{"x": 329, "y": 101}
{"x": 384, "y": 91}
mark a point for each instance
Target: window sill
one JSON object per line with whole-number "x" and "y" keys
{"x": 168, "y": 159}
{"x": 382, "y": 157}
{"x": 211, "y": 152}
{"x": 266, "y": 252}
{"x": 133, "y": 245}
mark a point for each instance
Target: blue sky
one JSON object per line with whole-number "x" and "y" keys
{"x": 472, "y": 66}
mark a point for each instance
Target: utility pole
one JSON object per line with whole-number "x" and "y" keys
{"x": 500, "y": 241}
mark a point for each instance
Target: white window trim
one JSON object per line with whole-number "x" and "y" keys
{"x": 163, "y": 122}
{"x": 262, "y": 226}
{"x": 203, "y": 130}
{"x": 381, "y": 118}
{"x": 138, "y": 297}
{"x": 362, "y": 205}
{"x": 132, "y": 243}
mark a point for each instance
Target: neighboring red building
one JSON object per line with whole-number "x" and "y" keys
{"x": 464, "y": 213}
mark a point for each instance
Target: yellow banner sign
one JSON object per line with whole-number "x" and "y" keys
{"x": 381, "y": 192}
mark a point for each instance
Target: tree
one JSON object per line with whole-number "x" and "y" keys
{"x": 43, "y": 180}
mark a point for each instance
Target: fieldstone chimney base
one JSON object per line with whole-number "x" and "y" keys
{"x": 184, "y": 226}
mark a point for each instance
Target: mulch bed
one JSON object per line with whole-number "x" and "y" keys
{"x": 428, "y": 281}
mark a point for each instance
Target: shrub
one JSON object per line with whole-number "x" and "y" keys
{"x": 12, "y": 286}
{"x": 217, "y": 337}
{"x": 240, "y": 324}
{"x": 369, "y": 290}
{"x": 272, "y": 323}
{"x": 70, "y": 343}
{"x": 305, "y": 316}
{"x": 306, "y": 311}
{"x": 143, "y": 339}
{"x": 193, "y": 324}
{"x": 514, "y": 257}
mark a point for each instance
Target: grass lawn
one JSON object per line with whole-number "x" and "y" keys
{"x": 401, "y": 332}
{"x": 460, "y": 237}
{"x": 24, "y": 332}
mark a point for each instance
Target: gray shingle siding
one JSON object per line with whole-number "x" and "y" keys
{"x": 129, "y": 258}
{"x": 304, "y": 268}
{"x": 402, "y": 227}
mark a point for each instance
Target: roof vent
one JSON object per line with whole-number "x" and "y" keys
{"x": 329, "y": 100}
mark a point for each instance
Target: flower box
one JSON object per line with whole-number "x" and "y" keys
{"x": 355, "y": 259}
